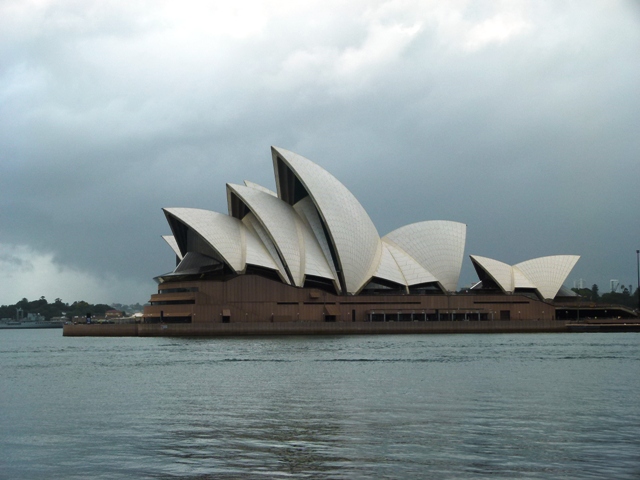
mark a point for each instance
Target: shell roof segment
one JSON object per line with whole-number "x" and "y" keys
{"x": 544, "y": 274}
{"x": 227, "y": 237}
{"x": 438, "y": 246}
{"x": 309, "y": 214}
{"x": 315, "y": 262}
{"x": 171, "y": 241}
{"x": 352, "y": 234}
{"x": 259, "y": 232}
{"x": 500, "y": 272}
{"x": 412, "y": 271}
{"x": 256, "y": 253}
{"x": 282, "y": 225}
{"x": 221, "y": 232}
{"x": 388, "y": 268}
{"x": 548, "y": 273}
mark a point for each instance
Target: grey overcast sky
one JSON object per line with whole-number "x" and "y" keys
{"x": 519, "y": 118}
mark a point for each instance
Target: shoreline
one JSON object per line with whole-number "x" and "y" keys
{"x": 341, "y": 328}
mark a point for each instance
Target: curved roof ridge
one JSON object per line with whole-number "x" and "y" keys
{"x": 520, "y": 280}
{"x": 260, "y": 187}
{"x": 353, "y": 235}
{"x": 279, "y": 220}
{"x": 315, "y": 262}
{"x": 389, "y": 269}
{"x": 224, "y": 234}
{"x": 413, "y": 272}
{"x": 258, "y": 232}
{"x": 171, "y": 241}
{"x": 307, "y": 211}
{"x": 437, "y": 245}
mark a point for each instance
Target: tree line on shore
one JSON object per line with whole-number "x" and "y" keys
{"x": 58, "y": 308}
{"x": 623, "y": 297}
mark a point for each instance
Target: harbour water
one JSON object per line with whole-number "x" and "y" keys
{"x": 542, "y": 406}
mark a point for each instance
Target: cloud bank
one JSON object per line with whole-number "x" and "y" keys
{"x": 517, "y": 118}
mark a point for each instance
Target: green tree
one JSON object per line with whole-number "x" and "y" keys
{"x": 594, "y": 293}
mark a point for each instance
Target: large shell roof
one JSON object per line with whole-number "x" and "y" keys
{"x": 351, "y": 232}
{"x": 314, "y": 229}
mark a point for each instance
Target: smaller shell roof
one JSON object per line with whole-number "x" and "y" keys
{"x": 315, "y": 262}
{"x": 548, "y": 273}
{"x": 222, "y": 232}
{"x": 226, "y": 235}
{"x": 438, "y": 246}
{"x": 544, "y": 274}
{"x": 500, "y": 272}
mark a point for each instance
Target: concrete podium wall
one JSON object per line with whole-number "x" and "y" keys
{"x": 312, "y": 328}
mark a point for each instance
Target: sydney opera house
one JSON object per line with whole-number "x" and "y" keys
{"x": 309, "y": 253}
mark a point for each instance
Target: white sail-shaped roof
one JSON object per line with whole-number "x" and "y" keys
{"x": 438, "y": 246}
{"x": 544, "y": 274}
{"x": 309, "y": 214}
{"x": 388, "y": 269}
{"x": 500, "y": 272}
{"x": 260, "y": 233}
{"x": 282, "y": 224}
{"x": 548, "y": 273}
{"x": 222, "y": 233}
{"x": 226, "y": 236}
{"x": 315, "y": 262}
{"x": 413, "y": 272}
{"x": 520, "y": 280}
{"x": 354, "y": 237}
{"x": 170, "y": 239}
{"x": 256, "y": 253}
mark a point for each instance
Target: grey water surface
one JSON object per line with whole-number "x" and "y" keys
{"x": 345, "y": 407}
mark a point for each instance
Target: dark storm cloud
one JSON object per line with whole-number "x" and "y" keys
{"x": 518, "y": 119}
